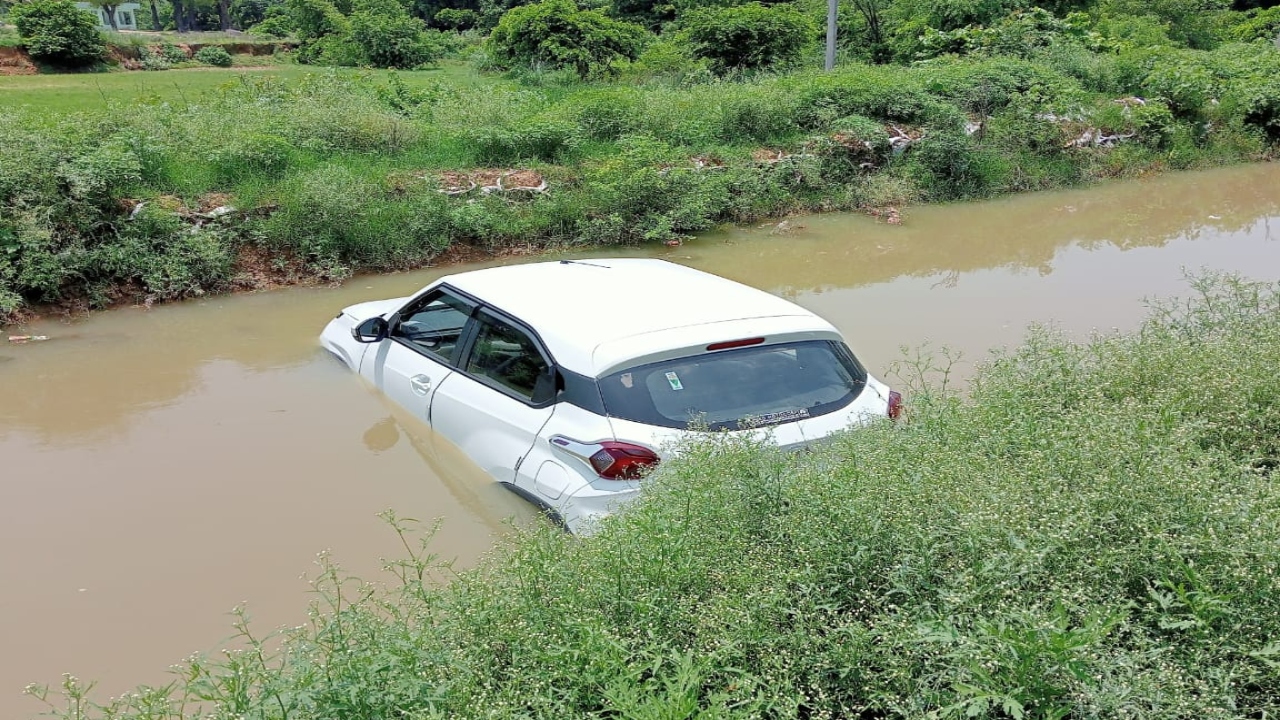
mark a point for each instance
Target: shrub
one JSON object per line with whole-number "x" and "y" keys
{"x": 555, "y": 33}
{"x": 950, "y": 166}
{"x": 213, "y": 55}
{"x": 877, "y": 92}
{"x": 389, "y": 37}
{"x": 1260, "y": 105}
{"x": 546, "y": 138}
{"x": 758, "y": 114}
{"x": 274, "y": 26}
{"x": 101, "y": 174}
{"x": 171, "y": 53}
{"x": 1183, "y": 81}
{"x": 58, "y": 32}
{"x": 608, "y": 114}
{"x": 750, "y": 36}
{"x": 255, "y": 155}
{"x": 1259, "y": 24}
{"x": 336, "y": 218}
{"x": 985, "y": 86}
{"x": 456, "y": 18}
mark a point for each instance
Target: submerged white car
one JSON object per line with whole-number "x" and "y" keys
{"x": 566, "y": 380}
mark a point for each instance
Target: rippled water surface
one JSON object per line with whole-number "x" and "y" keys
{"x": 158, "y": 467}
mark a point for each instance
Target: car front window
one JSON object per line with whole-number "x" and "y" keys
{"x": 733, "y": 389}
{"x": 434, "y": 324}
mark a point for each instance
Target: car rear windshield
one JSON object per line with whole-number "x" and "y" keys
{"x": 732, "y": 389}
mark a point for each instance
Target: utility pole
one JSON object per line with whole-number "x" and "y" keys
{"x": 832, "y": 6}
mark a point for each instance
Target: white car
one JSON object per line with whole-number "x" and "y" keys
{"x": 568, "y": 380}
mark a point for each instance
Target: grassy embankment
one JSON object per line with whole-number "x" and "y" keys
{"x": 333, "y": 171}
{"x": 1093, "y": 532}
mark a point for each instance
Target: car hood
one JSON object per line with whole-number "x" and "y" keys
{"x": 366, "y": 310}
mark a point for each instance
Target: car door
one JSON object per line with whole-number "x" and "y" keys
{"x": 495, "y": 406}
{"x": 421, "y": 349}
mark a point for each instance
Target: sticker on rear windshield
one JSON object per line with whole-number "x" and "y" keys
{"x": 674, "y": 379}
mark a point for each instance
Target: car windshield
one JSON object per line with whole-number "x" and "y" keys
{"x": 732, "y": 389}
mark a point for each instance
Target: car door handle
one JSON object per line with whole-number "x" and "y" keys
{"x": 421, "y": 385}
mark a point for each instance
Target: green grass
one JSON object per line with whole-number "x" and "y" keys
{"x": 9, "y": 37}
{"x": 79, "y": 92}
{"x": 1092, "y": 532}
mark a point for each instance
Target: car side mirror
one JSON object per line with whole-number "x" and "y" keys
{"x": 371, "y": 330}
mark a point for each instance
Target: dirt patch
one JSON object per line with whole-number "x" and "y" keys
{"x": 767, "y": 155}
{"x": 488, "y": 178}
{"x": 213, "y": 200}
{"x": 492, "y": 180}
{"x": 258, "y": 269}
{"x": 14, "y": 61}
{"x": 523, "y": 180}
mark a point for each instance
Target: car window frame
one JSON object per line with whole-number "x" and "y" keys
{"x": 464, "y": 336}
{"x": 473, "y": 332}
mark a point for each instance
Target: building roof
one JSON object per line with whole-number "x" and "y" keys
{"x": 576, "y": 306}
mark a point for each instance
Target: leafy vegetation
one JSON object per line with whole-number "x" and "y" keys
{"x": 1092, "y": 530}
{"x": 213, "y": 55}
{"x": 58, "y": 32}
{"x": 345, "y": 172}
{"x": 750, "y": 36}
{"x": 556, "y": 34}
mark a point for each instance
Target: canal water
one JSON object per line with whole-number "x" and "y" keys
{"x": 160, "y": 466}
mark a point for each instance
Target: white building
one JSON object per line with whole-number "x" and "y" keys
{"x": 126, "y": 15}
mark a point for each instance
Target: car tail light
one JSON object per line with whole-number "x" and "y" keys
{"x": 895, "y": 404}
{"x": 610, "y": 459}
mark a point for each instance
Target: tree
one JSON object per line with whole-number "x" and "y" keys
{"x": 872, "y": 12}
{"x": 155, "y": 17}
{"x": 748, "y": 37}
{"x": 58, "y": 32}
{"x": 555, "y": 33}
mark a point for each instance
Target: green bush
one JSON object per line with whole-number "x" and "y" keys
{"x": 274, "y": 26}
{"x": 213, "y": 55}
{"x": 1259, "y": 24}
{"x": 758, "y": 114}
{"x": 389, "y": 37}
{"x": 1183, "y": 81}
{"x": 56, "y": 31}
{"x": 456, "y": 18}
{"x": 556, "y": 34}
{"x": 608, "y": 114}
{"x": 266, "y": 156}
{"x": 339, "y": 219}
{"x": 171, "y": 53}
{"x": 1260, "y": 105}
{"x": 876, "y": 92}
{"x": 949, "y": 166}
{"x": 546, "y": 138}
{"x": 748, "y": 37}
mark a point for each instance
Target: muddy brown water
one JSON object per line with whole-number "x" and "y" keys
{"x": 159, "y": 467}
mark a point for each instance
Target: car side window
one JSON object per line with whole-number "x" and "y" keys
{"x": 434, "y": 324}
{"x": 506, "y": 356}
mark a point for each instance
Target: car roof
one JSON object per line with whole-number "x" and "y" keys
{"x": 577, "y": 305}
